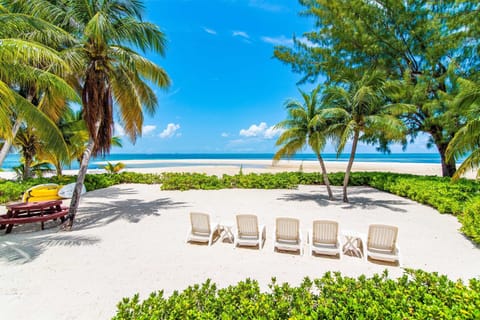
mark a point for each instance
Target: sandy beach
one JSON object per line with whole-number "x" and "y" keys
{"x": 130, "y": 239}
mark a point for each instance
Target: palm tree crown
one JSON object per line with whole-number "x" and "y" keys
{"x": 364, "y": 115}
{"x": 304, "y": 125}
{"x": 467, "y": 139}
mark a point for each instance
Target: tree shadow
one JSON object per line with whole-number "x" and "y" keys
{"x": 132, "y": 210}
{"x": 319, "y": 198}
{"x": 358, "y": 198}
{"x": 25, "y": 249}
{"x": 111, "y": 192}
{"x": 370, "y": 203}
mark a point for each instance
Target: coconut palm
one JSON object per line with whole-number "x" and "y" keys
{"x": 365, "y": 116}
{"x": 305, "y": 125}
{"x": 32, "y": 90}
{"x": 467, "y": 139}
{"x": 110, "y": 71}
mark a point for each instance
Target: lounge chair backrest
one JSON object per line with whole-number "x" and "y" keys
{"x": 200, "y": 223}
{"x": 325, "y": 232}
{"x": 382, "y": 237}
{"x": 247, "y": 225}
{"x": 287, "y": 229}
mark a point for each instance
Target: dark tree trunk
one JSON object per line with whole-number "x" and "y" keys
{"x": 325, "y": 176}
{"x": 448, "y": 167}
{"x": 349, "y": 166}
{"x": 77, "y": 192}
{"x": 26, "y": 167}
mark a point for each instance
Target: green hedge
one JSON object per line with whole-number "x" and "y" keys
{"x": 13, "y": 190}
{"x": 415, "y": 295}
{"x": 461, "y": 198}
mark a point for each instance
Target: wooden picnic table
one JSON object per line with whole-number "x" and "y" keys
{"x": 27, "y": 212}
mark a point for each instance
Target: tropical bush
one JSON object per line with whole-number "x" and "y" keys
{"x": 13, "y": 190}
{"x": 114, "y": 168}
{"x": 461, "y": 198}
{"x": 415, "y": 295}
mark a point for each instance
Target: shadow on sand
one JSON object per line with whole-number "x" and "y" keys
{"x": 98, "y": 214}
{"x": 359, "y": 197}
{"x": 29, "y": 246}
{"x": 26, "y": 243}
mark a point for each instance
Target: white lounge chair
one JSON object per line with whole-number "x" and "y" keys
{"x": 323, "y": 238}
{"x": 382, "y": 243}
{"x": 248, "y": 232}
{"x": 201, "y": 230}
{"x": 287, "y": 235}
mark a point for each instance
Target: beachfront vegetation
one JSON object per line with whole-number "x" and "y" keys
{"x": 96, "y": 57}
{"x": 361, "y": 112}
{"x": 114, "y": 168}
{"x": 461, "y": 198}
{"x": 415, "y": 295}
{"x": 305, "y": 124}
{"x": 423, "y": 44}
{"x": 32, "y": 79}
{"x": 467, "y": 138}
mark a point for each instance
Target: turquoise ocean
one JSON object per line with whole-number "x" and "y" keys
{"x": 151, "y": 160}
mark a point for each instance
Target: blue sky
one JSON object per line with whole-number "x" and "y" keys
{"x": 227, "y": 91}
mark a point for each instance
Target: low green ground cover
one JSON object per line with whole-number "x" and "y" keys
{"x": 461, "y": 198}
{"x": 415, "y": 295}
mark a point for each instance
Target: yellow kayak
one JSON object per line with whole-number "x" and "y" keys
{"x": 42, "y": 192}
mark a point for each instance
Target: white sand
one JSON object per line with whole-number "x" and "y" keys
{"x": 130, "y": 238}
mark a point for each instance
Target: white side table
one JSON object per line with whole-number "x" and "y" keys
{"x": 227, "y": 231}
{"x": 354, "y": 244}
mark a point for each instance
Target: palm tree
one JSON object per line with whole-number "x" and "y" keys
{"x": 32, "y": 90}
{"x": 467, "y": 139}
{"x": 304, "y": 125}
{"x": 364, "y": 116}
{"x": 109, "y": 70}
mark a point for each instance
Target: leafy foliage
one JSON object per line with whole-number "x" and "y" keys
{"x": 423, "y": 44}
{"x": 114, "y": 168}
{"x": 13, "y": 190}
{"x": 415, "y": 295}
{"x": 460, "y": 198}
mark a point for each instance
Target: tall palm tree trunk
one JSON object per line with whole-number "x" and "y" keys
{"x": 325, "y": 176}
{"x": 8, "y": 143}
{"x": 349, "y": 166}
{"x": 77, "y": 192}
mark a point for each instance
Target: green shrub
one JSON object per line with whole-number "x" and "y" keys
{"x": 438, "y": 192}
{"x": 13, "y": 190}
{"x": 415, "y": 295}
{"x": 471, "y": 220}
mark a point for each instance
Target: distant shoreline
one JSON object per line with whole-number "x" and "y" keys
{"x": 231, "y": 167}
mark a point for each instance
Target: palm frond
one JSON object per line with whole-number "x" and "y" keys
{"x": 146, "y": 68}
{"x": 16, "y": 51}
{"x": 143, "y": 35}
{"x": 29, "y": 27}
{"x": 7, "y": 100}
{"x": 46, "y": 129}
{"x": 128, "y": 101}
{"x": 471, "y": 162}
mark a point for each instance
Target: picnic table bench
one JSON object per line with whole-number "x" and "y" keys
{"x": 21, "y": 213}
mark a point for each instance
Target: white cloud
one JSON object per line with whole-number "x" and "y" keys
{"x": 224, "y": 134}
{"x": 261, "y": 130}
{"x": 254, "y": 130}
{"x": 169, "y": 131}
{"x": 148, "y": 129}
{"x": 210, "y": 31}
{"x": 242, "y": 34}
{"x": 281, "y": 40}
{"x": 118, "y": 130}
